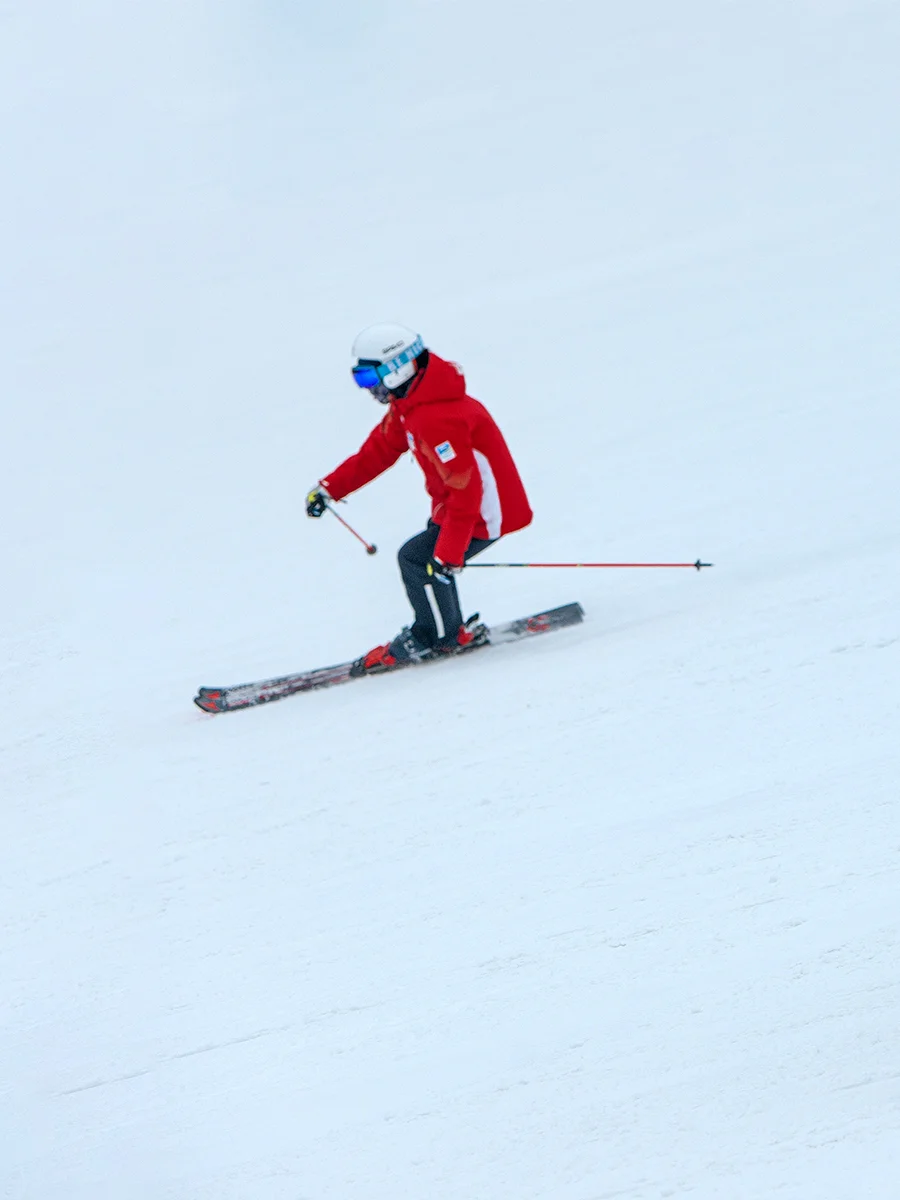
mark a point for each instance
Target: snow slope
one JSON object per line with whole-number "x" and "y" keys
{"x": 613, "y": 913}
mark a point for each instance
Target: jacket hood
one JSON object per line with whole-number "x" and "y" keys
{"x": 441, "y": 380}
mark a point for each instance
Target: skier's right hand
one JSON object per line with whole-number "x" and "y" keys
{"x": 316, "y": 501}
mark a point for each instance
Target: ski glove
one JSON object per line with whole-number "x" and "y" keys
{"x": 316, "y": 501}
{"x": 441, "y": 571}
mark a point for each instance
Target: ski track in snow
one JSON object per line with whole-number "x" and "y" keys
{"x": 607, "y": 914}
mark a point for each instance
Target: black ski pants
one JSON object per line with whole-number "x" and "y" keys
{"x": 413, "y": 558}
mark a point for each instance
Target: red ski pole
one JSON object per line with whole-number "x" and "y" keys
{"x": 371, "y": 548}
{"x": 698, "y": 565}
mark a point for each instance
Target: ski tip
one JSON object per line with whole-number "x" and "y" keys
{"x": 209, "y": 700}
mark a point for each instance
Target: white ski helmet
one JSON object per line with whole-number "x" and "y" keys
{"x": 385, "y": 354}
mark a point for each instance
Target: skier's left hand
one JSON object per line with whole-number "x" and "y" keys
{"x": 443, "y": 570}
{"x": 316, "y": 501}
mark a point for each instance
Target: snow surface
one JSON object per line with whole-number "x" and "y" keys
{"x": 611, "y": 914}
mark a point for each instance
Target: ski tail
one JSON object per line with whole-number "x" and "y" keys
{"x": 554, "y": 618}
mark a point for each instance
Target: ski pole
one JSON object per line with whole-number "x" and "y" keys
{"x": 371, "y": 548}
{"x": 698, "y": 565}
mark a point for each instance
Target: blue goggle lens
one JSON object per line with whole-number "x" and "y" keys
{"x": 367, "y": 376}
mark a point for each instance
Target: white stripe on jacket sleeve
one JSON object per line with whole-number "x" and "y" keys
{"x": 491, "y": 512}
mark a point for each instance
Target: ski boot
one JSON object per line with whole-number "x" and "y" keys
{"x": 403, "y": 651}
{"x": 470, "y": 636}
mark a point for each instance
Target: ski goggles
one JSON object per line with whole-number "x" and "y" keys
{"x": 368, "y": 373}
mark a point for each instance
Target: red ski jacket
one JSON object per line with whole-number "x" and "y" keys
{"x": 470, "y": 475}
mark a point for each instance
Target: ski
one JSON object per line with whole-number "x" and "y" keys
{"x": 247, "y": 695}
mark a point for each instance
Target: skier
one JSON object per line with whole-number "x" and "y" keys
{"x": 475, "y": 489}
